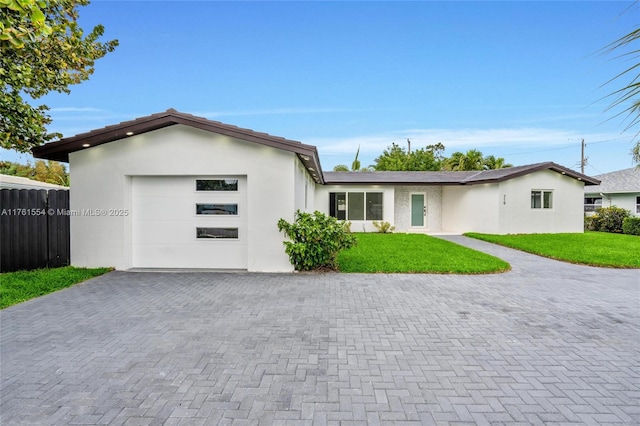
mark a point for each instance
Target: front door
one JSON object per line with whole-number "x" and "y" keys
{"x": 418, "y": 210}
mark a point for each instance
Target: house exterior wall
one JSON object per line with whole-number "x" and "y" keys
{"x": 322, "y": 203}
{"x": 471, "y": 208}
{"x": 516, "y": 215}
{"x": 102, "y": 179}
{"x": 625, "y": 201}
{"x": 402, "y": 210}
{"x": 304, "y": 189}
{"x": 505, "y": 207}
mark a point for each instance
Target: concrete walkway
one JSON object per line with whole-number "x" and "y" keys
{"x": 547, "y": 343}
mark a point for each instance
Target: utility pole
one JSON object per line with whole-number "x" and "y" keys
{"x": 582, "y": 159}
{"x": 409, "y": 144}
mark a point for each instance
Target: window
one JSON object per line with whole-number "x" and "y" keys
{"x": 541, "y": 199}
{"x": 217, "y": 209}
{"x": 228, "y": 233}
{"x": 356, "y": 205}
{"x": 338, "y": 205}
{"x": 637, "y": 204}
{"x": 374, "y": 205}
{"x": 216, "y": 184}
{"x": 591, "y": 204}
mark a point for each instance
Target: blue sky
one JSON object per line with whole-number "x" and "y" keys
{"x": 521, "y": 80}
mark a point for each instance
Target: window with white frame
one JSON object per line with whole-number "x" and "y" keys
{"x": 356, "y": 205}
{"x": 637, "y": 204}
{"x": 541, "y": 199}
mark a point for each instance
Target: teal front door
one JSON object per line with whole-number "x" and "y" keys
{"x": 418, "y": 210}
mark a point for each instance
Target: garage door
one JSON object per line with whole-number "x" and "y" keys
{"x": 189, "y": 222}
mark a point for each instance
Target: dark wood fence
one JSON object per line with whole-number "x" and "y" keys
{"x": 34, "y": 229}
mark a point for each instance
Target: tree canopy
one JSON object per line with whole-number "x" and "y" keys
{"x": 396, "y": 158}
{"x": 474, "y": 160}
{"x": 42, "y": 49}
{"x": 50, "y": 171}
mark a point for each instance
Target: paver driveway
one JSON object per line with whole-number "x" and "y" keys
{"x": 545, "y": 343}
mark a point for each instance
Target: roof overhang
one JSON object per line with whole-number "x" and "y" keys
{"x": 60, "y": 150}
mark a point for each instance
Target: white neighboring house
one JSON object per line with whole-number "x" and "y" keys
{"x": 172, "y": 190}
{"x": 620, "y": 188}
{"x": 17, "y": 182}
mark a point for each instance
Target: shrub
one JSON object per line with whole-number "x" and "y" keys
{"x": 631, "y": 225}
{"x": 592, "y": 223}
{"x": 611, "y": 218}
{"x": 383, "y": 227}
{"x": 316, "y": 240}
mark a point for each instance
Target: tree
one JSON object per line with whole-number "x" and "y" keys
{"x": 474, "y": 160}
{"x": 491, "y": 162}
{"x": 341, "y": 168}
{"x": 396, "y": 158}
{"x": 471, "y": 160}
{"x": 628, "y": 96}
{"x": 50, "y": 172}
{"x": 42, "y": 49}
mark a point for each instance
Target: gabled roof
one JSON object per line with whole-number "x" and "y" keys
{"x": 60, "y": 150}
{"x": 627, "y": 180}
{"x": 450, "y": 178}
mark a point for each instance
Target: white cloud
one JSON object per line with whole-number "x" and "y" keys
{"x": 456, "y": 139}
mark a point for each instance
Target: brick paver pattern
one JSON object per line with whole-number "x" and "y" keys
{"x": 546, "y": 343}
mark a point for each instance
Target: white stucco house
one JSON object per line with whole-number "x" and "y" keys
{"x": 620, "y": 188}
{"x": 172, "y": 190}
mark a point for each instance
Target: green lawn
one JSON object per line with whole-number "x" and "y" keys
{"x": 415, "y": 253}
{"x": 590, "y": 248}
{"x": 17, "y": 287}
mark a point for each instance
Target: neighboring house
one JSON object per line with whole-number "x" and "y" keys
{"x": 17, "y": 182}
{"x": 621, "y": 189}
{"x": 172, "y": 190}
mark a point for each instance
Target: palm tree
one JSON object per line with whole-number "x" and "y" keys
{"x": 492, "y": 163}
{"x": 629, "y": 95}
{"x": 471, "y": 160}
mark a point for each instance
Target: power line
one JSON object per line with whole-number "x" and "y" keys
{"x": 572, "y": 146}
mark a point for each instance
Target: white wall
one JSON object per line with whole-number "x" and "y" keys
{"x": 517, "y": 216}
{"x": 470, "y": 208}
{"x": 505, "y": 208}
{"x": 101, "y": 179}
{"x": 304, "y": 189}
{"x": 624, "y": 201}
{"x": 322, "y": 203}
{"x": 402, "y": 211}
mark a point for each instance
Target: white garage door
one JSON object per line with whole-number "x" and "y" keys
{"x": 189, "y": 222}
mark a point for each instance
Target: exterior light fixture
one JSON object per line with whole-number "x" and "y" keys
{"x": 129, "y": 133}
{"x": 86, "y": 145}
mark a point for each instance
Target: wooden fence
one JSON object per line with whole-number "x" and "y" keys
{"x": 34, "y": 229}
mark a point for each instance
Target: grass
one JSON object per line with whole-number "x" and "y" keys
{"x": 17, "y": 287}
{"x": 591, "y": 248}
{"x": 415, "y": 253}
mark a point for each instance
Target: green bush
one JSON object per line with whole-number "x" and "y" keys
{"x": 631, "y": 225}
{"x": 316, "y": 240}
{"x": 383, "y": 227}
{"x": 611, "y": 218}
{"x": 592, "y": 223}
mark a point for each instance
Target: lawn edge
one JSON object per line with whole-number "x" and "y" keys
{"x": 109, "y": 270}
{"x": 547, "y": 256}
